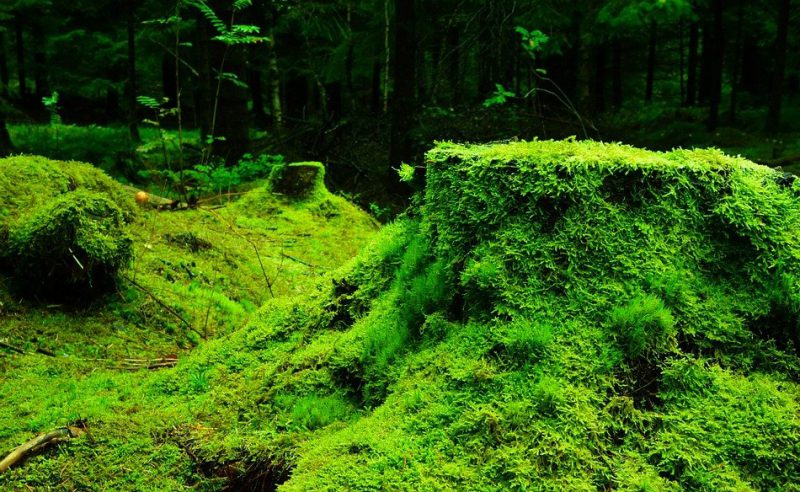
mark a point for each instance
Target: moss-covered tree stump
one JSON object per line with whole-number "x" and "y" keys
{"x": 299, "y": 180}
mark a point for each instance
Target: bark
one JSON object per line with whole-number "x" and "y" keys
{"x": 41, "y": 86}
{"x": 691, "y": 75}
{"x": 4, "y": 77}
{"x": 452, "y": 60}
{"x": 405, "y": 74}
{"x": 375, "y": 93}
{"x": 598, "y": 96}
{"x": 706, "y": 62}
{"x": 203, "y": 93}
{"x": 651, "y": 62}
{"x": 736, "y": 64}
{"x": 20, "y": 45}
{"x": 6, "y": 146}
{"x": 275, "y": 85}
{"x": 616, "y": 73}
{"x": 716, "y": 67}
{"x": 774, "y": 114}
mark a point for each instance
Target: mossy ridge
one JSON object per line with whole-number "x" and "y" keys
{"x": 557, "y": 316}
{"x": 138, "y": 421}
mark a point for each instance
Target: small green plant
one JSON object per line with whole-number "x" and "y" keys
{"x": 644, "y": 326}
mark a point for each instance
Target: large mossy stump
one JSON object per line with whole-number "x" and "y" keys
{"x": 299, "y": 180}
{"x": 63, "y": 228}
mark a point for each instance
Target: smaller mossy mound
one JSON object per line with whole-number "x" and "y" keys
{"x": 64, "y": 227}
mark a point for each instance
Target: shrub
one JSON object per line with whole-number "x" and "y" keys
{"x": 70, "y": 247}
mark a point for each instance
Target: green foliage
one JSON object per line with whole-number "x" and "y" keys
{"x": 643, "y": 326}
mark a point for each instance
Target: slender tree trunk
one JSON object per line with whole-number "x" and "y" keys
{"x": 4, "y": 77}
{"x": 736, "y": 64}
{"x": 774, "y": 114}
{"x": 255, "y": 85}
{"x": 6, "y": 147}
{"x": 275, "y": 85}
{"x": 229, "y": 114}
{"x": 706, "y": 63}
{"x": 691, "y": 76}
{"x": 375, "y": 93}
{"x": 598, "y": 96}
{"x": 716, "y": 74}
{"x": 41, "y": 86}
{"x": 169, "y": 83}
{"x": 132, "y": 89}
{"x": 453, "y": 62}
{"x": 681, "y": 63}
{"x": 405, "y": 75}
{"x": 616, "y": 73}
{"x": 651, "y": 63}
{"x": 20, "y": 42}
{"x": 387, "y": 50}
{"x": 203, "y": 93}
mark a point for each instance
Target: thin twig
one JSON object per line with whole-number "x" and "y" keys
{"x": 162, "y": 304}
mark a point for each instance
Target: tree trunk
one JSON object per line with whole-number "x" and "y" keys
{"x": 203, "y": 93}
{"x": 774, "y": 114}
{"x": 405, "y": 75}
{"x": 736, "y": 64}
{"x": 169, "y": 82}
{"x": 706, "y": 62}
{"x": 375, "y": 93}
{"x": 6, "y": 147}
{"x": 616, "y": 73}
{"x": 681, "y": 62}
{"x": 691, "y": 76}
{"x": 598, "y": 96}
{"x": 132, "y": 89}
{"x": 716, "y": 74}
{"x": 452, "y": 60}
{"x": 4, "y": 77}
{"x": 41, "y": 86}
{"x": 651, "y": 63}
{"x": 20, "y": 42}
{"x": 229, "y": 115}
{"x": 254, "y": 84}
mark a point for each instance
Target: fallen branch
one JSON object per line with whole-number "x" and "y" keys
{"x": 162, "y": 304}
{"x": 41, "y": 443}
{"x": 12, "y": 348}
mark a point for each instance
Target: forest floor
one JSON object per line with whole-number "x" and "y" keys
{"x": 213, "y": 267}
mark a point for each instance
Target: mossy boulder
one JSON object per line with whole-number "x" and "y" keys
{"x": 64, "y": 227}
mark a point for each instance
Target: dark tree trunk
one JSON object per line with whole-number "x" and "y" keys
{"x": 752, "y": 79}
{"x": 616, "y": 73}
{"x": 453, "y": 63}
{"x": 375, "y": 92}
{"x": 203, "y": 93}
{"x": 41, "y": 86}
{"x": 6, "y": 147}
{"x": 681, "y": 64}
{"x": 229, "y": 114}
{"x": 20, "y": 42}
{"x": 274, "y": 76}
{"x": 774, "y": 114}
{"x": 404, "y": 72}
{"x": 169, "y": 80}
{"x": 598, "y": 94}
{"x": 651, "y": 62}
{"x": 255, "y": 86}
{"x": 706, "y": 63}
{"x": 736, "y": 64}
{"x": 132, "y": 89}
{"x": 4, "y": 77}
{"x": 716, "y": 68}
{"x": 691, "y": 76}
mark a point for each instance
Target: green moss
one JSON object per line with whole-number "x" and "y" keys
{"x": 74, "y": 245}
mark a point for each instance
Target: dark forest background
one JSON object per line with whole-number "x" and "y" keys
{"x": 363, "y": 85}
